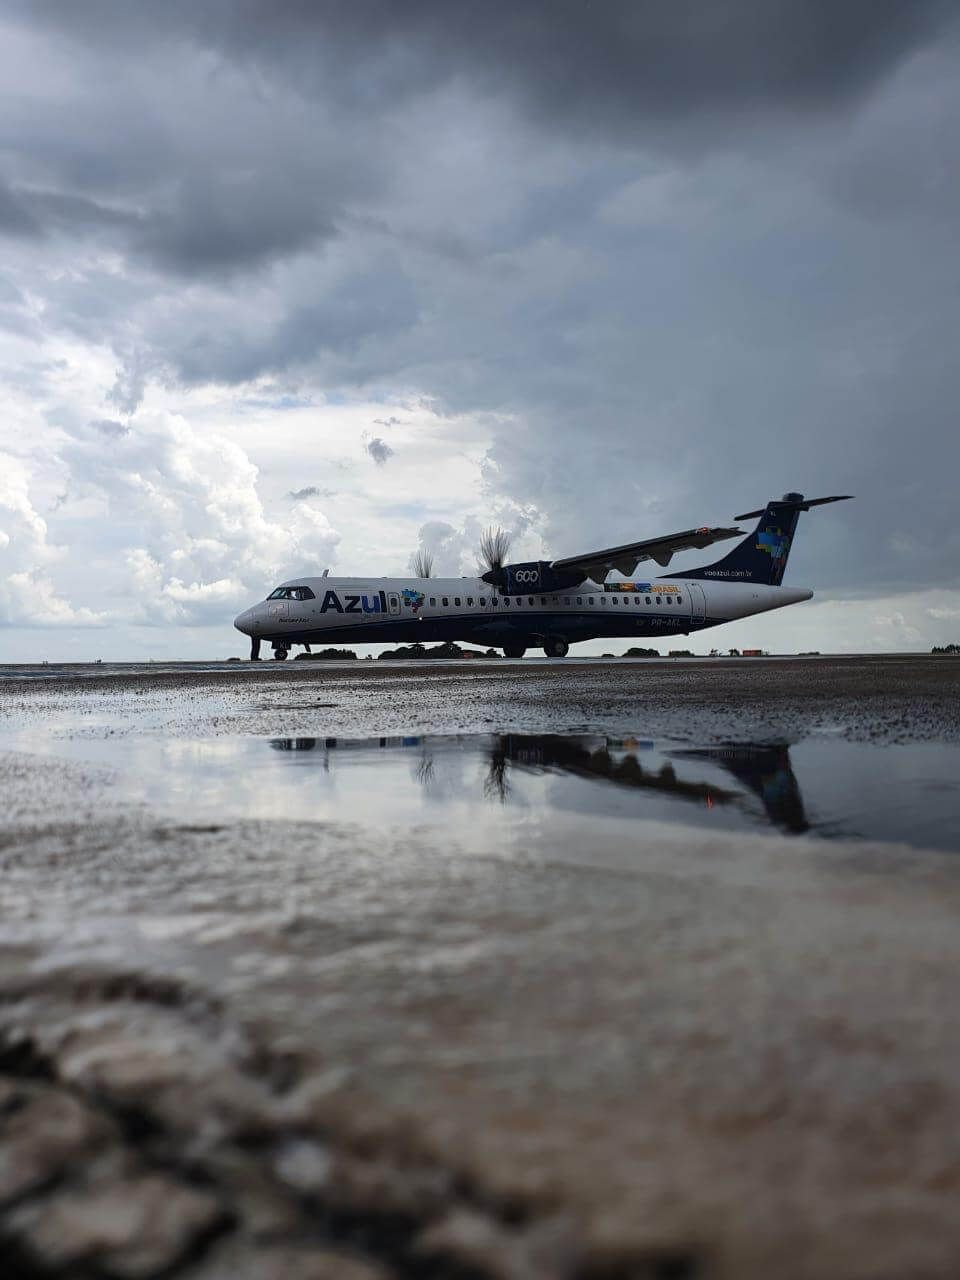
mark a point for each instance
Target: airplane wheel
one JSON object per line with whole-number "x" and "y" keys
{"x": 280, "y": 655}
{"x": 514, "y": 650}
{"x": 556, "y": 647}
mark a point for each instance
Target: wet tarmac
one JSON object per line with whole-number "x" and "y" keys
{"x": 571, "y": 970}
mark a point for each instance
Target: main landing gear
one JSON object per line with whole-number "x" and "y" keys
{"x": 514, "y": 650}
{"x": 556, "y": 647}
{"x": 280, "y": 653}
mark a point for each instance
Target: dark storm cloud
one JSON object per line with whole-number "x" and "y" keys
{"x": 221, "y": 187}
{"x": 207, "y": 223}
{"x": 610, "y": 63}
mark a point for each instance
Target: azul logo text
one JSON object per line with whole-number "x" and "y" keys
{"x": 374, "y": 603}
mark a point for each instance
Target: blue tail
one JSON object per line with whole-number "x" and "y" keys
{"x": 762, "y": 555}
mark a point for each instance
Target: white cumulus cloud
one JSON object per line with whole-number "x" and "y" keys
{"x": 191, "y": 529}
{"x": 27, "y": 594}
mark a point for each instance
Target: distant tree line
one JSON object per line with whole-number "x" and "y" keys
{"x": 946, "y": 648}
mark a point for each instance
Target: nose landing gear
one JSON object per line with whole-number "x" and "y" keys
{"x": 255, "y": 649}
{"x": 556, "y": 647}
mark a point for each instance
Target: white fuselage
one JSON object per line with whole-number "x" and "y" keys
{"x": 363, "y": 610}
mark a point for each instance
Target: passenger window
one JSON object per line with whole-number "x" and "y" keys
{"x": 446, "y": 601}
{"x": 579, "y": 599}
{"x": 603, "y": 599}
{"x": 659, "y": 601}
{"x": 506, "y": 602}
{"x": 433, "y": 600}
{"x": 469, "y": 599}
{"x": 482, "y": 601}
{"x": 679, "y": 599}
{"x": 519, "y": 601}
{"x": 647, "y": 599}
{"x": 456, "y": 601}
{"x": 636, "y": 599}
{"x": 530, "y": 600}
{"x": 543, "y": 599}
{"x": 614, "y": 600}
{"x": 494, "y": 601}
{"x": 589, "y": 599}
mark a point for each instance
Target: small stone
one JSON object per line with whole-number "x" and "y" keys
{"x": 304, "y": 1166}
{"x": 262, "y": 1207}
{"x": 380, "y": 1185}
{"x": 37, "y": 1140}
{"x": 128, "y": 1228}
{"x": 154, "y": 1070}
{"x": 473, "y": 1243}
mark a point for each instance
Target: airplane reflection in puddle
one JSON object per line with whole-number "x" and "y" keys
{"x": 762, "y": 770}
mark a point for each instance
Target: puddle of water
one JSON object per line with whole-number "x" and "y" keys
{"x": 492, "y": 785}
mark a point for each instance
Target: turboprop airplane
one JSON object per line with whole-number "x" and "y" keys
{"x": 544, "y": 603}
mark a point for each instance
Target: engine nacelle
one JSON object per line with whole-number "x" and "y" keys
{"x": 535, "y": 575}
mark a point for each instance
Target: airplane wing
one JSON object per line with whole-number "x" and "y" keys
{"x": 597, "y": 564}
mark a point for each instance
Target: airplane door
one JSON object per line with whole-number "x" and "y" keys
{"x": 698, "y": 602}
{"x": 393, "y": 602}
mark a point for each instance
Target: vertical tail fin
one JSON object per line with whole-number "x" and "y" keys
{"x": 762, "y": 555}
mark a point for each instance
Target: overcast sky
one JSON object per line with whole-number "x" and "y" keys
{"x": 287, "y": 285}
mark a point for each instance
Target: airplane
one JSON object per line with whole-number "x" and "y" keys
{"x": 544, "y": 603}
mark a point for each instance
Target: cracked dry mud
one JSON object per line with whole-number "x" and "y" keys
{"x": 277, "y": 1049}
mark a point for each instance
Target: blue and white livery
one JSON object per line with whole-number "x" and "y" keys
{"x": 545, "y": 604}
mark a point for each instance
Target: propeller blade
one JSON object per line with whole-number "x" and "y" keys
{"x": 422, "y": 563}
{"x": 494, "y": 548}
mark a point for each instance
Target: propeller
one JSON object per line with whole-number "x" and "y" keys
{"x": 796, "y": 502}
{"x": 494, "y": 549}
{"x": 422, "y": 563}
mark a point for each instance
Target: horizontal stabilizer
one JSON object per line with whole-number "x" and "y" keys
{"x": 597, "y": 564}
{"x": 802, "y": 504}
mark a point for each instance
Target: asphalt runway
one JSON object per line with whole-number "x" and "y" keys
{"x": 503, "y": 970}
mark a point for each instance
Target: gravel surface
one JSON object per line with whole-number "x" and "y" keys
{"x": 880, "y": 699}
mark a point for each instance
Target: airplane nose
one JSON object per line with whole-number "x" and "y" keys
{"x": 243, "y": 621}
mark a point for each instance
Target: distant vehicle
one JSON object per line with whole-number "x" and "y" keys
{"x": 549, "y": 604}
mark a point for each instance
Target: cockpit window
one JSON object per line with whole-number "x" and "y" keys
{"x": 291, "y": 593}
